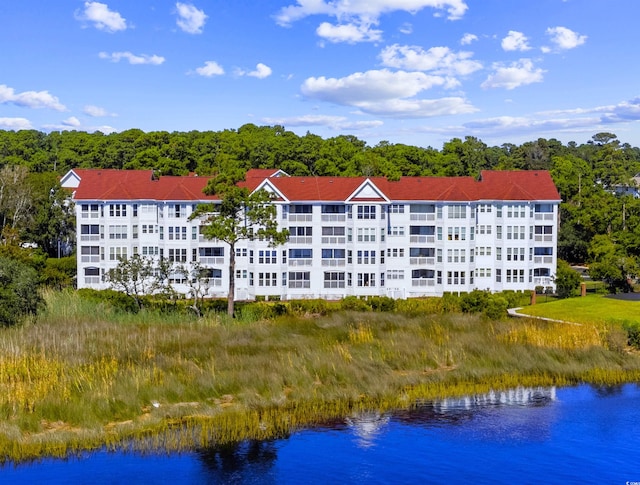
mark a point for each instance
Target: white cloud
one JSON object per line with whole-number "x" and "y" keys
{"x": 96, "y": 111}
{"x": 350, "y": 33}
{"x": 71, "y": 121}
{"x": 63, "y": 126}
{"x": 334, "y": 122}
{"x": 210, "y": 69}
{"x": 132, "y": 58}
{"x": 355, "y": 17}
{"x": 103, "y": 18}
{"x": 468, "y": 39}
{"x": 406, "y": 28}
{"x": 515, "y": 41}
{"x": 371, "y": 9}
{"x": 564, "y": 38}
{"x": 30, "y": 99}
{"x": 190, "y": 19}
{"x": 440, "y": 60}
{"x": 261, "y": 71}
{"x": 15, "y": 124}
{"x": 517, "y": 74}
{"x": 387, "y": 93}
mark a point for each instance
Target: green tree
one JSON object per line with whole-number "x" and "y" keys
{"x": 19, "y": 295}
{"x": 138, "y": 276}
{"x": 611, "y": 264}
{"x": 567, "y": 280}
{"x": 240, "y": 215}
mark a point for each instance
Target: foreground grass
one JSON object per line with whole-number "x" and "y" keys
{"x": 588, "y": 309}
{"x": 84, "y": 377}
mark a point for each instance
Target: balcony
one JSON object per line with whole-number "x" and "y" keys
{"x": 544, "y": 216}
{"x": 423, "y": 282}
{"x": 90, "y": 237}
{"x": 422, "y": 239}
{"x": 333, "y": 218}
{"x": 212, "y": 282}
{"x": 333, "y": 262}
{"x": 300, "y": 217}
{"x": 333, "y": 240}
{"x": 300, "y": 284}
{"x": 544, "y": 238}
{"x": 92, "y": 280}
{"x": 300, "y": 239}
{"x": 422, "y": 261}
{"x": 543, "y": 259}
{"x": 89, "y": 215}
{"x": 300, "y": 262}
{"x": 211, "y": 260}
{"x": 93, "y": 258}
{"x": 417, "y": 216}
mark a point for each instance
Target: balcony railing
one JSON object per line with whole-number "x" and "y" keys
{"x": 89, "y": 215}
{"x": 334, "y": 284}
{"x": 333, "y": 218}
{"x": 417, "y": 216}
{"x": 300, "y": 284}
{"x": 300, "y": 239}
{"x": 543, "y": 259}
{"x": 422, "y": 261}
{"x": 90, "y": 237}
{"x": 422, "y": 239}
{"x": 300, "y": 217}
{"x": 300, "y": 262}
{"x": 542, "y": 280}
{"x": 211, "y": 260}
{"x": 333, "y": 240}
{"x": 544, "y": 238}
{"x": 544, "y": 216}
{"x": 423, "y": 282}
{"x": 92, "y": 280}
{"x": 93, "y": 258}
{"x": 333, "y": 262}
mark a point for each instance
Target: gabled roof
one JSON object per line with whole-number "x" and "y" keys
{"x": 109, "y": 184}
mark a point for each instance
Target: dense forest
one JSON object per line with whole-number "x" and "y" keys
{"x": 599, "y": 225}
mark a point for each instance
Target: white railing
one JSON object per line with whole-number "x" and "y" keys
{"x": 300, "y": 239}
{"x": 90, "y": 215}
{"x": 542, "y": 281}
{"x": 544, "y": 216}
{"x": 333, "y": 240}
{"x": 300, "y": 284}
{"x": 90, "y": 237}
{"x": 211, "y": 260}
{"x": 333, "y": 262}
{"x": 423, "y": 282}
{"x": 334, "y": 284}
{"x": 543, "y": 259}
{"x": 333, "y": 218}
{"x": 212, "y": 281}
{"x": 422, "y": 261}
{"x": 422, "y": 239}
{"x": 545, "y": 238}
{"x": 92, "y": 280}
{"x": 300, "y": 262}
{"x": 417, "y": 216}
{"x": 300, "y": 217}
{"x": 94, "y": 258}
{"x": 201, "y": 238}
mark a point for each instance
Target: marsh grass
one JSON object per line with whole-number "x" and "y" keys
{"x": 85, "y": 375}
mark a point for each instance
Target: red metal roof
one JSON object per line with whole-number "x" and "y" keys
{"x": 108, "y": 184}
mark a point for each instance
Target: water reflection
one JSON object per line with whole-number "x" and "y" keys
{"x": 229, "y": 463}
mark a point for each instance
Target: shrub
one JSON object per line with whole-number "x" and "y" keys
{"x": 382, "y": 303}
{"x": 496, "y": 307}
{"x": 309, "y": 307}
{"x": 474, "y": 302}
{"x": 19, "y": 293}
{"x": 633, "y": 333}
{"x": 119, "y": 301}
{"x": 354, "y": 303}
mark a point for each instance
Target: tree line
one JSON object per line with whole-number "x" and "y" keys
{"x": 599, "y": 227}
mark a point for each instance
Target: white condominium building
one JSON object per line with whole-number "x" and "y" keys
{"x": 414, "y": 237}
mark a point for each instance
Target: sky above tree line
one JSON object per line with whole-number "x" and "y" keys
{"x": 418, "y": 72}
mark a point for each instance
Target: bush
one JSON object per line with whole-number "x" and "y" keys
{"x": 19, "y": 295}
{"x": 474, "y": 302}
{"x": 496, "y": 308}
{"x": 382, "y": 303}
{"x": 633, "y": 334}
{"x": 59, "y": 273}
{"x": 420, "y": 306}
{"x": 118, "y": 301}
{"x": 309, "y": 307}
{"x": 354, "y": 303}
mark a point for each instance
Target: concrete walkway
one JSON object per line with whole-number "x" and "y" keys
{"x": 513, "y": 312}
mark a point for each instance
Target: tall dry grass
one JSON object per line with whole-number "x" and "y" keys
{"x": 85, "y": 375}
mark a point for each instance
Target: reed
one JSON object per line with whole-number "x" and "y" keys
{"x": 85, "y": 375}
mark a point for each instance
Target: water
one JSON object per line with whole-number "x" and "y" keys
{"x": 569, "y": 435}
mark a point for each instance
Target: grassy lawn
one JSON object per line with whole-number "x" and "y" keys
{"x": 590, "y": 309}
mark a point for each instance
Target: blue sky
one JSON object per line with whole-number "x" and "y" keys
{"x": 406, "y": 71}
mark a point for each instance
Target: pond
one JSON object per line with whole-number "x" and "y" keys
{"x": 581, "y": 434}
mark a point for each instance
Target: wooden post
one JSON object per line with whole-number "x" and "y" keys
{"x": 533, "y": 297}
{"x": 583, "y": 289}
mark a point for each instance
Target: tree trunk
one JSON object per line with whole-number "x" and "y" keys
{"x": 232, "y": 280}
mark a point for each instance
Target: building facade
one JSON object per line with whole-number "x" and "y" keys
{"x": 418, "y": 236}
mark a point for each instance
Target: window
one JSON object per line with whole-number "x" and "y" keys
{"x": 366, "y": 234}
{"x": 212, "y": 252}
{"x": 118, "y": 232}
{"x": 457, "y": 211}
{"x": 267, "y": 279}
{"x": 117, "y": 253}
{"x": 543, "y": 251}
{"x": 396, "y": 231}
{"x": 395, "y": 274}
{"x": 333, "y": 231}
{"x": 178, "y": 255}
{"x": 267, "y": 257}
{"x": 422, "y": 208}
{"x": 90, "y": 254}
{"x": 395, "y": 252}
{"x": 241, "y": 252}
{"x": 396, "y": 209}
{"x": 89, "y": 232}
{"x": 135, "y": 210}
{"x": 300, "y": 231}
{"x": 333, "y": 253}
{"x": 456, "y": 233}
{"x": 300, "y": 253}
{"x": 177, "y": 210}
{"x": 366, "y": 212}
{"x": 333, "y": 209}
{"x": 334, "y": 280}
{"x": 544, "y": 208}
{"x": 423, "y": 274}
{"x": 366, "y": 257}
{"x": 366, "y": 279}
{"x": 117, "y": 210}
{"x": 300, "y": 209}
{"x": 299, "y": 279}
{"x": 422, "y": 252}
